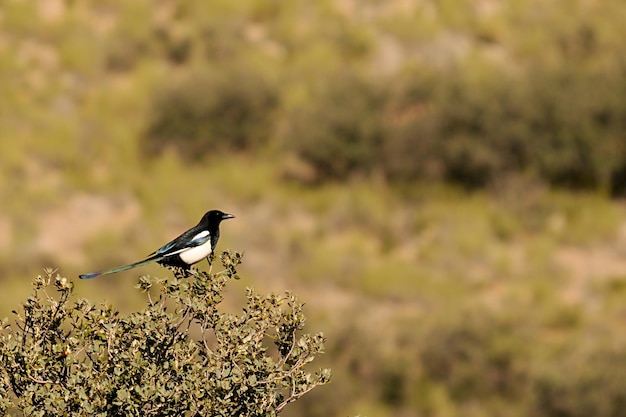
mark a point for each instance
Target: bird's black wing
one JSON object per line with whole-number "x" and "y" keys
{"x": 193, "y": 237}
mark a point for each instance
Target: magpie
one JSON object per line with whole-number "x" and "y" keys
{"x": 187, "y": 249}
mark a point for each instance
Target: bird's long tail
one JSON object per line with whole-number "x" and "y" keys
{"x": 121, "y": 268}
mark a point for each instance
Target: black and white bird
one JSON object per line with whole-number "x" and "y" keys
{"x": 187, "y": 249}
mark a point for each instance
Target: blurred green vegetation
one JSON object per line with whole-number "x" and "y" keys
{"x": 440, "y": 181}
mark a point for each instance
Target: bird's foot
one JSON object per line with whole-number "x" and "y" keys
{"x": 210, "y": 261}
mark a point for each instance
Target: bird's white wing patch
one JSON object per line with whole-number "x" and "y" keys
{"x": 200, "y": 235}
{"x": 201, "y": 240}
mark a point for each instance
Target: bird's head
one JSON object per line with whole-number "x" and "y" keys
{"x": 214, "y": 217}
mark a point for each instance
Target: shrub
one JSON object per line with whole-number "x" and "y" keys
{"x": 340, "y": 133}
{"x": 592, "y": 385}
{"x": 79, "y": 359}
{"x": 476, "y": 356}
{"x": 212, "y": 111}
{"x": 563, "y": 126}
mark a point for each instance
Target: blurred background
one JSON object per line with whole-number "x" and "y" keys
{"x": 441, "y": 182}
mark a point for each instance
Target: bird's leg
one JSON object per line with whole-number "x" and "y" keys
{"x": 210, "y": 261}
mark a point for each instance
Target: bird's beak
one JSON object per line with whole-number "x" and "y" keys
{"x": 226, "y": 216}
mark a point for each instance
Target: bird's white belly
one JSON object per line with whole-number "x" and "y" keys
{"x": 196, "y": 254}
